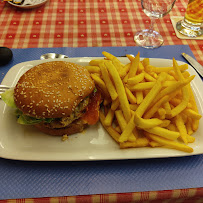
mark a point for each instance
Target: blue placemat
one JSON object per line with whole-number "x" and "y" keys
{"x": 168, "y": 52}
{"x": 20, "y": 179}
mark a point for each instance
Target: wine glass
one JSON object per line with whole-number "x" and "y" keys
{"x": 155, "y": 9}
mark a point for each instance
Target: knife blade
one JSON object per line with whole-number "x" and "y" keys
{"x": 198, "y": 67}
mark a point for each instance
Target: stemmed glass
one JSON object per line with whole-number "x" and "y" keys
{"x": 155, "y": 9}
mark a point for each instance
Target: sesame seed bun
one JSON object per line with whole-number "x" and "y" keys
{"x": 52, "y": 89}
{"x": 75, "y": 127}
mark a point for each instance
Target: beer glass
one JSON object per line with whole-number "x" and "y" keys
{"x": 192, "y": 24}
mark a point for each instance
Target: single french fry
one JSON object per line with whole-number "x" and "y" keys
{"x": 148, "y": 69}
{"x": 177, "y": 70}
{"x": 173, "y": 74}
{"x": 128, "y": 130}
{"x": 114, "y": 60}
{"x": 170, "y": 77}
{"x": 125, "y": 79}
{"x": 109, "y": 84}
{"x": 96, "y": 62}
{"x": 189, "y": 105}
{"x": 121, "y": 120}
{"x": 156, "y": 106}
{"x": 130, "y": 96}
{"x": 134, "y": 66}
{"x": 175, "y": 101}
{"x": 120, "y": 90}
{"x": 124, "y": 70}
{"x": 186, "y": 74}
{"x": 133, "y": 107}
{"x": 163, "y": 132}
{"x": 108, "y": 55}
{"x": 115, "y": 104}
{"x": 136, "y": 79}
{"x": 119, "y": 66}
{"x": 172, "y": 127}
{"x": 170, "y": 143}
{"x": 188, "y": 126}
{"x": 118, "y": 129}
{"x": 145, "y": 62}
{"x": 195, "y": 123}
{"x": 192, "y": 99}
{"x": 122, "y": 123}
{"x": 113, "y": 133}
{"x": 167, "y": 69}
{"x": 167, "y": 107}
{"x": 133, "y": 136}
{"x": 165, "y": 123}
{"x": 181, "y": 128}
{"x": 93, "y": 69}
{"x": 151, "y": 95}
{"x": 184, "y": 117}
{"x": 109, "y": 118}
{"x": 130, "y": 57}
{"x": 142, "y": 86}
{"x": 140, "y": 68}
{"x": 146, "y": 123}
{"x": 100, "y": 83}
{"x": 190, "y": 139}
{"x": 153, "y": 74}
{"x": 149, "y": 78}
{"x": 139, "y": 97}
{"x": 155, "y": 144}
{"x": 168, "y": 83}
{"x": 162, "y": 113}
{"x": 192, "y": 114}
{"x": 140, "y": 142}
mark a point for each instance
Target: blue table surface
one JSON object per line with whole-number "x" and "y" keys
{"x": 168, "y": 52}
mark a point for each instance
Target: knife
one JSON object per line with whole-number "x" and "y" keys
{"x": 198, "y": 67}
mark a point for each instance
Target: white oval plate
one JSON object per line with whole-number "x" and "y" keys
{"x": 27, "y": 143}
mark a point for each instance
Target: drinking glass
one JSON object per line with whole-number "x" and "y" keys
{"x": 155, "y": 9}
{"x": 192, "y": 24}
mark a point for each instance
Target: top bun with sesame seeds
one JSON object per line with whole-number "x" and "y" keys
{"x": 52, "y": 89}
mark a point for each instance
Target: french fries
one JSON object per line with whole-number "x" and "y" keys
{"x": 144, "y": 105}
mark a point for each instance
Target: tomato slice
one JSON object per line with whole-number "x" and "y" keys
{"x": 91, "y": 115}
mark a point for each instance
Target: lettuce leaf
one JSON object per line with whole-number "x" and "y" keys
{"x": 8, "y": 98}
{"x": 28, "y": 120}
{"x": 23, "y": 119}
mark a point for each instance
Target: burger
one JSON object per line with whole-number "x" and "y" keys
{"x": 57, "y": 97}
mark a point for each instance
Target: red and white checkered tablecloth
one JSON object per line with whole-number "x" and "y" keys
{"x": 85, "y": 23}
{"x": 167, "y": 196}
{"x": 93, "y": 23}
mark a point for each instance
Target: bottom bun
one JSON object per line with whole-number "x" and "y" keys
{"x": 75, "y": 127}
